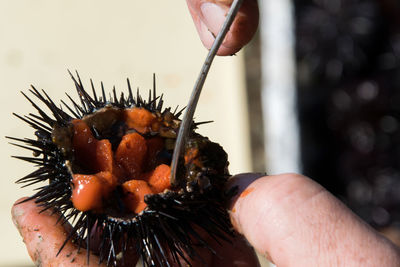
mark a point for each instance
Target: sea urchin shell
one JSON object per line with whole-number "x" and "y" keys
{"x": 106, "y": 163}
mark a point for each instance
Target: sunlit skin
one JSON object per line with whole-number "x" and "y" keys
{"x": 208, "y": 17}
{"x": 294, "y": 221}
{"x": 288, "y": 218}
{"x": 43, "y": 238}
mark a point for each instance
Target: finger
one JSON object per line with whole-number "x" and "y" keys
{"x": 209, "y": 16}
{"x": 296, "y": 222}
{"x": 43, "y": 237}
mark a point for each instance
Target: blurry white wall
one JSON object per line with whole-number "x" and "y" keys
{"x": 107, "y": 41}
{"x": 279, "y": 97}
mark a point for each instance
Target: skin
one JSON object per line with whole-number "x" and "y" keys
{"x": 288, "y": 218}
{"x": 293, "y": 221}
{"x": 208, "y": 24}
{"x": 43, "y": 237}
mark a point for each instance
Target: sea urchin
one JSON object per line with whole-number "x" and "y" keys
{"x": 107, "y": 161}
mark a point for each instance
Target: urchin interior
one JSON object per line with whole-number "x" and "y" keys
{"x": 169, "y": 223}
{"x": 117, "y": 156}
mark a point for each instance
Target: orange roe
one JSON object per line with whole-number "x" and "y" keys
{"x": 131, "y": 153}
{"x": 135, "y": 190}
{"x": 139, "y": 119}
{"x": 89, "y": 190}
{"x": 133, "y": 165}
{"x": 159, "y": 178}
{"x": 104, "y": 156}
{"x": 192, "y": 156}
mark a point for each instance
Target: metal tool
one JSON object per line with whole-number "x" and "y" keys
{"x": 191, "y": 107}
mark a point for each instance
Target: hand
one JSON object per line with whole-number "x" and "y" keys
{"x": 43, "y": 237}
{"x": 209, "y": 16}
{"x": 294, "y": 221}
{"x": 290, "y": 219}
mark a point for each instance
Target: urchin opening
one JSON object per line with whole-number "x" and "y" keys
{"x": 116, "y": 157}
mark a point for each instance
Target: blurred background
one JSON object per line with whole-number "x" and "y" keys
{"x": 348, "y": 84}
{"x": 334, "y": 66}
{"x": 317, "y": 91}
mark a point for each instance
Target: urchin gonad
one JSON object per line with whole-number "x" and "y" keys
{"x": 106, "y": 164}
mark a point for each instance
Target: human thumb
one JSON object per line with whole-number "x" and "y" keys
{"x": 294, "y": 221}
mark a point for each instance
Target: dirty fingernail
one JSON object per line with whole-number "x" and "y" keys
{"x": 213, "y": 17}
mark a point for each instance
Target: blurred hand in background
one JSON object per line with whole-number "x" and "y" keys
{"x": 209, "y": 16}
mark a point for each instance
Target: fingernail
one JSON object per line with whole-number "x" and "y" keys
{"x": 213, "y": 17}
{"x": 206, "y": 36}
{"x": 242, "y": 181}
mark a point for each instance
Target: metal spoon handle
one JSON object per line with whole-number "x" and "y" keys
{"x": 194, "y": 98}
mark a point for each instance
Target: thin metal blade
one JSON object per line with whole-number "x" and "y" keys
{"x": 191, "y": 107}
